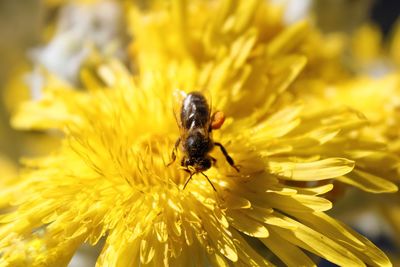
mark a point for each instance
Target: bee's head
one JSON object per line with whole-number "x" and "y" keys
{"x": 203, "y": 164}
{"x": 199, "y": 164}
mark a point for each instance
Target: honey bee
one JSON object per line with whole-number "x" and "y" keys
{"x": 193, "y": 116}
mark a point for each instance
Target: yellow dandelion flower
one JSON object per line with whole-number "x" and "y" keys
{"x": 109, "y": 177}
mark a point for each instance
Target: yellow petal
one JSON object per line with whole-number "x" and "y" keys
{"x": 315, "y": 191}
{"x": 248, "y": 256}
{"x": 311, "y": 171}
{"x": 233, "y": 201}
{"x": 318, "y": 244}
{"x": 217, "y": 260}
{"x": 288, "y": 253}
{"x": 371, "y": 255}
{"x": 354, "y": 242}
{"x": 288, "y": 38}
{"x": 278, "y": 124}
{"x": 286, "y": 72}
{"x": 248, "y": 225}
{"x": 330, "y": 227}
{"x": 368, "y": 182}
{"x": 220, "y": 237}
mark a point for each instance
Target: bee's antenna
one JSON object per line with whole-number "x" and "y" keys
{"x": 190, "y": 177}
{"x": 208, "y": 179}
{"x": 187, "y": 181}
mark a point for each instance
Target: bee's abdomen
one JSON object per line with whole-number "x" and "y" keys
{"x": 195, "y": 111}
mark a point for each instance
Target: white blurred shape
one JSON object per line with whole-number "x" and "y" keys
{"x": 80, "y": 27}
{"x": 85, "y": 257}
{"x": 295, "y": 10}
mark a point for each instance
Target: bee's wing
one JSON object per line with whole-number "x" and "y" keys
{"x": 177, "y": 100}
{"x": 206, "y": 93}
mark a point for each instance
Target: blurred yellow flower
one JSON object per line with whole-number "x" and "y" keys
{"x": 366, "y": 44}
{"x": 373, "y": 89}
{"x": 57, "y": 3}
{"x": 378, "y": 98}
{"x": 394, "y": 48}
{"x": 109, "y": 176}
{"x": 371, "y": 53}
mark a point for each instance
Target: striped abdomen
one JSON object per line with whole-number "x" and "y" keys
{"x": 194, "y": 111}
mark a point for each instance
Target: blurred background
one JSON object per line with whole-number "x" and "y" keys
{"x": 20, "y": 29}
{"x": 30, "y": 36}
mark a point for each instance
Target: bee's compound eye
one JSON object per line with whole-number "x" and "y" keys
{"x": 218, "y": 119}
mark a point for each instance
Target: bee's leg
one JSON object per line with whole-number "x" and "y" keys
{"x": 173, "y": 154}
{"x": 208, "y": 179}
{"x": 228, "y": 158}
{"x": 187, "y": 181}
